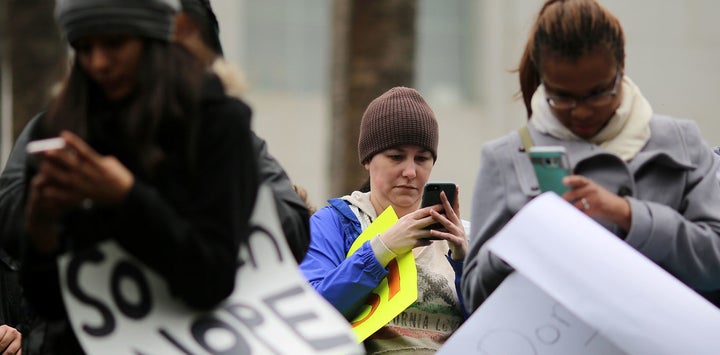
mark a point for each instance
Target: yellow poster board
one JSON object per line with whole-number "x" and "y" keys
{"x": 397, "y": 291}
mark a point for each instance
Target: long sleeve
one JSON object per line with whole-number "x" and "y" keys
{"x": 294, "y": 215}
{"x": 12, "y": 189}
{"x": 188, "y": 238}
{"x": 483, "y": 271}
{"x": 344, "y": 282}
{"x": 686, "y": 241}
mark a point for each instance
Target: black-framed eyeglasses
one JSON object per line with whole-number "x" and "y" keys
{"x": 595, "y": 101}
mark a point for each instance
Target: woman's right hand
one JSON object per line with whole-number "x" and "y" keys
{"x": 67, "y": 178}
{"x": 408, "y": 232}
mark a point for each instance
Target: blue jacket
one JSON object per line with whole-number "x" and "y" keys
{"x": 346, "y": 282}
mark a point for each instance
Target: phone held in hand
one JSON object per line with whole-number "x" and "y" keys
{"x": 44, "y": 145}
{"x": 431, "y": 197}
{"x": 551, "y": 165}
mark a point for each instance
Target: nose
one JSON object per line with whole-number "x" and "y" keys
{"x": 99, "y": 59}
{"x": 409, "y": 170}
{"x": 582, "y": 111}
{"x": 96, "y": 59}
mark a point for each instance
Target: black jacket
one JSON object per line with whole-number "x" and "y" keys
{"x": 202, "y": 217}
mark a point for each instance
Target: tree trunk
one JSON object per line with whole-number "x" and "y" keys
{"x": 37, "y": 57}
{"x": 373, "y": 51}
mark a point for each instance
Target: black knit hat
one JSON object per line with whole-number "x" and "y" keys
{"x": 399, "y": 116}
{"x": 145, "y": 18}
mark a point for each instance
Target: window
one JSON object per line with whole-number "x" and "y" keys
{"x": 446, "y": 43}
{"x": 288, "y": 45}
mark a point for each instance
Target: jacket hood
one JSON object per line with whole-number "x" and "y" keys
{"x": 232, "y": 78}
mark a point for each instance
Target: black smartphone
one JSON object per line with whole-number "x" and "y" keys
{"x": 431, "y": 197}
{"x": 551, "y": 166}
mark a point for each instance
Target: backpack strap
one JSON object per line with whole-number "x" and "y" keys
{"x": 525, "y": 137}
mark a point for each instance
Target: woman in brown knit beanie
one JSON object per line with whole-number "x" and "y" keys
{"x": 398, "y": 146}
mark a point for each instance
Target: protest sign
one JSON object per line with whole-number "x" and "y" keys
{"x": 520, "y": 319}
{"x": 119, "y": 306}
{"x": 395, "y": 292}
{"x": 605, "y": 285}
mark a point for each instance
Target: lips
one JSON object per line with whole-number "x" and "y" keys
{"x": 108, "y": 83}
{"x": 406, "y": 187}
{"x": 114, "y": 89}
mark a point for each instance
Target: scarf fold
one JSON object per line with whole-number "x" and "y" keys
{"x": 362, "y": 207}
{"x": 625, "y": 134}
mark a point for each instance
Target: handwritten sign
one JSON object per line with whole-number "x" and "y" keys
{"x": 119, "y": 306}
{"x": 395, "y": 293}
{"x": 611, "y": 297}
{"x": 519, "y": 318}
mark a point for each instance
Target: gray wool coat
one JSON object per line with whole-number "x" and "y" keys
{"x": 671, "y": 185}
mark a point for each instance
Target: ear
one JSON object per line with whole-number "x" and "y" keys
{"x": 185, "y": 28}
{"x": 367, "y": 166}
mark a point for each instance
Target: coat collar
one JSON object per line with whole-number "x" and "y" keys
{"x": 662, "y": 148}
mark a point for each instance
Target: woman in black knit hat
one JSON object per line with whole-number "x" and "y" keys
{"x": 156, "y": 158}
{"x": 398, "y": 146}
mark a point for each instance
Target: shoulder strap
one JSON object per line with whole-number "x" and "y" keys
{"x": 525, "y": 137}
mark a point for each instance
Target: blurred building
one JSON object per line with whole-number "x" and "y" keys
{"x": 466, "y": 51}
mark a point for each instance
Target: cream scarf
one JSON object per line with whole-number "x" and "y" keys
{"x": 626, "y": 133}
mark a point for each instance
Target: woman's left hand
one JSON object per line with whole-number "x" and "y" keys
{"x": 596, "y": 201}
{"x": 10, "y": 340}
{"x": 454, "y": 232}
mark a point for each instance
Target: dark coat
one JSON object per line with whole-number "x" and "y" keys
{"x": 202, "y": 217}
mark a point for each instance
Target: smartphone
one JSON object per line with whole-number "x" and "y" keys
{"x": 551, "y": 166}
{"x": 431, "y": 196}
{"x": 43, "y": 145}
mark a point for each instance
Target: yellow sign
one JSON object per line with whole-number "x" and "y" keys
{"x": 396, "y": 292}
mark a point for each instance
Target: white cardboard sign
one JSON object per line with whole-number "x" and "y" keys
{"x": 119, "y": 306}
{"x": 520, "y": 319}
{"x": 565, "y": 257}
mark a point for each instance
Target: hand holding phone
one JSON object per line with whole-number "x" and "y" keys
{"x": 551, "y": 165}
{"x": 431, "y": 197}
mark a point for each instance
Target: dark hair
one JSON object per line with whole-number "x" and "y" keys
{"x": 365, "y": 187}
{"x": 570, "y": 29}
{"x": 166, "y": 94}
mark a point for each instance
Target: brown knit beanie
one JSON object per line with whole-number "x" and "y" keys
{"x": 398, "y": 117}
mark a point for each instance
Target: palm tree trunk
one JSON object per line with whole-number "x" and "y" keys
{"x": 373, "y": 51}
{"x": 37, "y": 56}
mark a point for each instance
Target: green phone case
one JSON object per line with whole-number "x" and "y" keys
{"x": 551, "y": 165}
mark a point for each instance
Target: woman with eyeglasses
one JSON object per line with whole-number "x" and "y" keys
{"x": 649, "y": 179}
